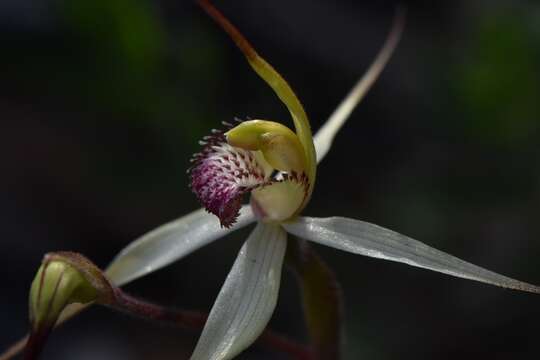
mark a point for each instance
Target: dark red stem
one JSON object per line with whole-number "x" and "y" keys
{"x": 194, "y": 321}
{"x": 36, "y": 343}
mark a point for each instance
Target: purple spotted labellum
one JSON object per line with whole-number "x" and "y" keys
{"x": 222, "y": 174}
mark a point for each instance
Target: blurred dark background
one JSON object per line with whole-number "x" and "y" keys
{"x": 102, "y": 103}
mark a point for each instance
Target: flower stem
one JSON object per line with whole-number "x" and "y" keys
{"x": 194, "y": 321}
{"x": 15, "y": 348}
{"x": 36, "y": 343}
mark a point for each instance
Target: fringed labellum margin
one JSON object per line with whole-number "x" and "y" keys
{"x": 260, "y": 157}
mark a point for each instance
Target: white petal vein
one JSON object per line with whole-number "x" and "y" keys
{"x": 371, "y": 240}
{"x": 170, "y": 242}
{"x": 248, "y": 296}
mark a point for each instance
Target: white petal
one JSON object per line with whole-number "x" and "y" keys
{"x": 170, "y": 242}
{"x": 363, "y": 238}
{"x": 324, "y": 137}
{"x": 248, "y": 296}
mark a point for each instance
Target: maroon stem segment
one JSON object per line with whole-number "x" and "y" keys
{"x": 194, "y": 321}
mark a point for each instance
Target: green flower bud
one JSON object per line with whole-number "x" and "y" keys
{"x": 63, "y": 279}
{"x": 56, "y": 285}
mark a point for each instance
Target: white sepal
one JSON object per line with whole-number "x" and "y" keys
{"x": 248, "y": 296}
{"x": 324, "y": 137}
{"x": 170, "y": 242}
{"x": 363, "y": 238}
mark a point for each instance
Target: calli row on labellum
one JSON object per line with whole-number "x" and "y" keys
{"x": 258, "y": 156}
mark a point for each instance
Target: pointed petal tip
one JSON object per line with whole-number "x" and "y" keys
{"x": 371, "y": 240}
{"x": 325, "y": 136}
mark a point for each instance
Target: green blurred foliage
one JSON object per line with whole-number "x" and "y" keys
{"x": 497, "y": 85}
{"x": 124, "y": 42}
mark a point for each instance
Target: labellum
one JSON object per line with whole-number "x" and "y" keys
{"x": 260, "y": 157}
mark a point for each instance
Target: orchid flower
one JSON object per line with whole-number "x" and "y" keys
{"x": 276, "y": 166}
